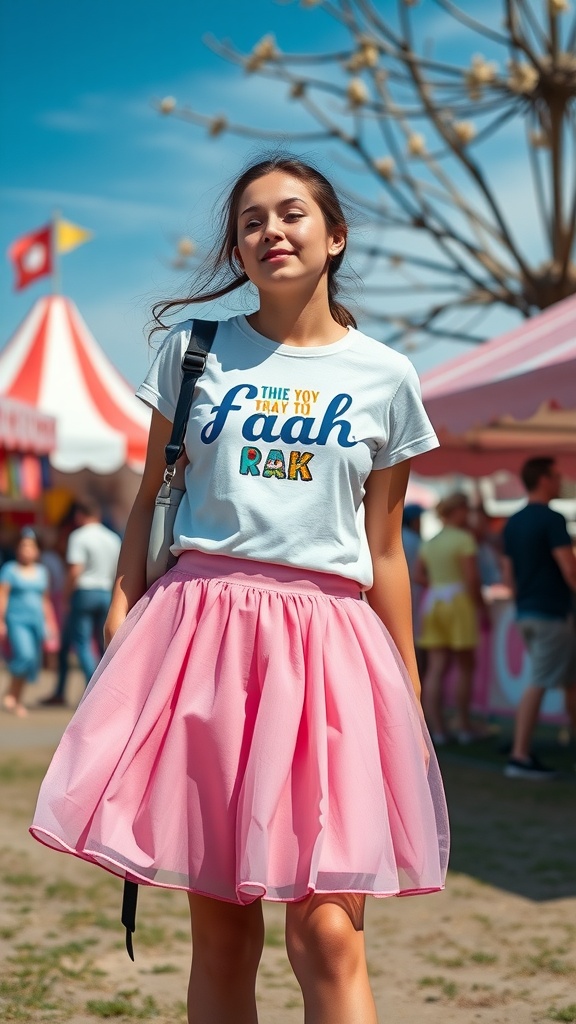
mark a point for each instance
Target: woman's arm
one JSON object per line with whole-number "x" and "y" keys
{"x": 130, "y": 581}
{"x": 4, "y": 594}
{"x": 390, "y": 594}
{"x": 469, "y": 566}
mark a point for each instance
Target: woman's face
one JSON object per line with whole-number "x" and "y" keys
{"x": 27, "y": 551}
{"x": 282, "y": 236}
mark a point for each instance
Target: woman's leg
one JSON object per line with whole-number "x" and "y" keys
{"x": 21, "y": 637}
{"x": 438, "y": 659}
{"x": 227, "y": 942}
{"x": 325, "y": 945}
{"x": 465, "y": 661}
{"x": 12, "y": 700}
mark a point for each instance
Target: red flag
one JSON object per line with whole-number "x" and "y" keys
{"x": 32, "y": 256}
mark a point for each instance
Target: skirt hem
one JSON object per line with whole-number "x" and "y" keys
{"x": 119, "y": 871}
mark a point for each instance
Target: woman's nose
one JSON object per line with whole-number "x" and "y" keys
{"x": 273, "y": 230}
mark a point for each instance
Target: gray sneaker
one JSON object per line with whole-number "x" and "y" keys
{"x": 529, "y": 769}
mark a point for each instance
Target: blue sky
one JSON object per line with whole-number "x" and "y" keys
{"x": 79, "y": 134}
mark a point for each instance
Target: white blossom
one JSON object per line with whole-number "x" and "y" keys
{"x": 523, "y": 77}
{"x": 357, "y": 92}
{"x": 464, "y": 131}
{"x": 186, "y": 247}
{"x": 416, "y": 144}
{"x": 385, "y": 166}
{"x": 167, "y": 105}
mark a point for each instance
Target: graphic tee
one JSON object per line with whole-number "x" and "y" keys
{"x": 280, "y": 442}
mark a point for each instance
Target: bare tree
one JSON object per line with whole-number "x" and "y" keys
{"x": 425, "y": 129}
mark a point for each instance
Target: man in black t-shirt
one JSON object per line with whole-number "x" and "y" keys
{"x": 541, "y": 568}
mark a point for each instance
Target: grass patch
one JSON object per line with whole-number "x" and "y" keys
{"x": 22, "y": 881}
{"x": 63, "y": 890}
{"x": 274, "y": 936}
{"x": 547, "y": 960}
{"x": 446, "y": 961}
{"x": 15, "y": 770}
{"x": 124, "y": 1004}
{"x": 447, "y": 988}
{"x": 483, "y": 958}
{"x": 33, "y": 976}
{"x": 565, "y": 1013}
{"x": 88, "y": 918}
{"x": 164, "y": 969}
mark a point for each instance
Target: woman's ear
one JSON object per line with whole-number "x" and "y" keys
{"x": 338, "y": 244}
{"x": 237, "y": 256}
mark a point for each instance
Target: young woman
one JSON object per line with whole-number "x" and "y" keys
{"x": 26, "y": 618}
{"x": 254, "y": 730}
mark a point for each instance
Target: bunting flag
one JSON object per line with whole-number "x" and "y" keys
{"x": 31, "y": 256}
{"x": 70, "y": 236}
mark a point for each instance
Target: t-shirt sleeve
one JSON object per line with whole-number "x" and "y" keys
{"x": 558, "y": 536}
{"x": 75, "y": 550}
{"x": 161, "y": 386}
{"x": 409, "y": 430}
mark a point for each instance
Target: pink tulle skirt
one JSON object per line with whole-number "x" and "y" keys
{"x": 250, "y": 732}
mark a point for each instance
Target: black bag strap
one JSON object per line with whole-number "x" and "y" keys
{"x": 202, "y": 334}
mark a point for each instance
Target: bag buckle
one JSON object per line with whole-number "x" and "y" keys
{"x": 169, "y": 474}
{"x": 193, "y": 362}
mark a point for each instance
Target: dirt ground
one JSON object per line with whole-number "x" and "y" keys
{"x": 499, "y": 945}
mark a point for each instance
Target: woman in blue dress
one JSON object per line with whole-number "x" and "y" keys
{"x": 24, "y": 613}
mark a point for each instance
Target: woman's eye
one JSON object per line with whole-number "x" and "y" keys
{"x": 252, "y": 224}
{"x": 294, "y": 215}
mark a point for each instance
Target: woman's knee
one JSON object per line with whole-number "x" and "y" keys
{"x": 229, "y": 940}
{"x": 327, "y": 943}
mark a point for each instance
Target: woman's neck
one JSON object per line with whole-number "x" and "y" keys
{"x": 303, "y": 323}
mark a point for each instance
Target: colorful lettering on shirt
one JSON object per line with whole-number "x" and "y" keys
{"x": 275, "y": 464}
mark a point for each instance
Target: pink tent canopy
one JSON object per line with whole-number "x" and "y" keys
{"x": 495, "y": 406}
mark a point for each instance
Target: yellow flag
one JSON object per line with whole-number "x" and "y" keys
{"x": 70, "y": 236}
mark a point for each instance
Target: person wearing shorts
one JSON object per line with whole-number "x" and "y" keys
{"x": 541, "y": 568}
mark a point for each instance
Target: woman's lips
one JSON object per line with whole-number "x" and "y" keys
{"x": 273, "y": 257}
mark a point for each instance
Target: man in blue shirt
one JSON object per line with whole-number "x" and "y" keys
{"x": 541, "y": 568}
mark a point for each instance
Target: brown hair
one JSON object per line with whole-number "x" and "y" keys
{"x": 534, "y": 469}
{"x": 446, "y": 506}
{"x": 223, "y": 274}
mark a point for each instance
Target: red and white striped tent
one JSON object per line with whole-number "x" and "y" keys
{"x": 54, "y": 363}
{"x": 508, "y": 399}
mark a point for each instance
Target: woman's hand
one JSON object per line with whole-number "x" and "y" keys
{"x": 114, "y": 619}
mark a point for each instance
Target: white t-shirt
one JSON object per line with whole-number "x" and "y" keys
{"x": 96, "y": 548}
{"x": 280, "y": 441}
